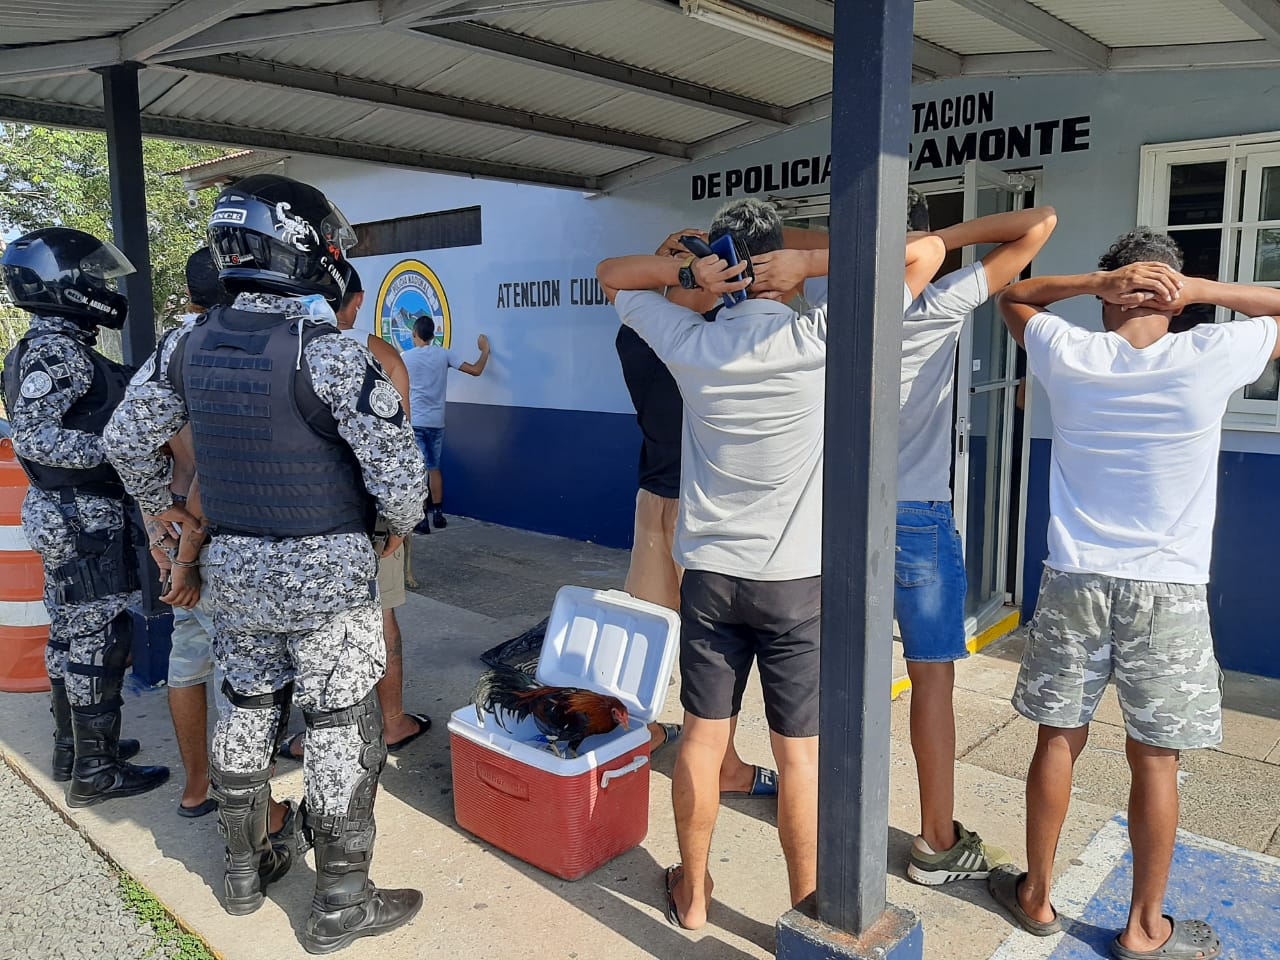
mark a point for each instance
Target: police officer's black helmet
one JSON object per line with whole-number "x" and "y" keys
{"x": 67, "y": 273}
{"x": 271, "y": 234}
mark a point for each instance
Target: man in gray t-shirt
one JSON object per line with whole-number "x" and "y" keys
{"x": 929, "y": 570}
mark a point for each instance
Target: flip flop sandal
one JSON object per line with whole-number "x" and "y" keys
{"x": 764, "y": 785}
{"x": 1190, "y": 940}
{"x": 671, "y": 735}
{"x": 424, "y": 724}
{"x": 674, "y": 873}
{"x": 286, "y": 747}
{"x": 1003, "y": 883}
{"x": 199, "y": 810}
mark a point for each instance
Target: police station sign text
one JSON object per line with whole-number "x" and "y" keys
{"x": 952, "y": 140}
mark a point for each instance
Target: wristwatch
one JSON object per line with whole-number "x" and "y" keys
{"x": 687, "y": 279}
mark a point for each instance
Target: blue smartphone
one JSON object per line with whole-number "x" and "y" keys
{"x": 727, "y": 249}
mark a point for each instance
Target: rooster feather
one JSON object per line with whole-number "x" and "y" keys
{"x": 564, "y": 715}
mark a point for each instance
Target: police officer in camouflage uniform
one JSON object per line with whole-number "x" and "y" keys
{"x": 300, "y": 440}
{"x": 59, "y": 392}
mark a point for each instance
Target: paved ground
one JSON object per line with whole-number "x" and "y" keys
{"x": 480, "y": 584}
{"x": 59, "y": 900}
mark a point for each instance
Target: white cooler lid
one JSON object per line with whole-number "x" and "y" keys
{"x": 610, "y": 642}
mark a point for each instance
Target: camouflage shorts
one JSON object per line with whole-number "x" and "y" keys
{"x": 1152, "y": 637}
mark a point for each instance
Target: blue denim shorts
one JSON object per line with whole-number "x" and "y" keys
{"x": 431, "y": 443}
{"x": 929, "y": 582}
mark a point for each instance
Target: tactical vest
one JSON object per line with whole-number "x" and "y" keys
{"x": 89, "y": 414}
{"x": 268, "y": 453}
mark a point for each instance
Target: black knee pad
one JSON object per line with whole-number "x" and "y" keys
{"x": 282, "y": 698}
{"x": 366, "y": 717}
{"x": 111, "y": 662}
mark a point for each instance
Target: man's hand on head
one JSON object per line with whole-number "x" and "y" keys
{"x": 671, "y": 247}
{"x": 780, "y": 273}
{"x": 483, "y": 343}
{"x": 714, "y": 275}
{"x": 1137, "y": 283}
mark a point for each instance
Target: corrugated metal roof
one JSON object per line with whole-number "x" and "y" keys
{"x": 952, "y": 26}
{"x": 1132, "y": 25}
{"x": 45, "y": 21}
{"x": 710, "y": 79}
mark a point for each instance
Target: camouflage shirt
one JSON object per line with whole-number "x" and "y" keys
{"x": 153, "y": 411}
{"x": 57, "y": 349}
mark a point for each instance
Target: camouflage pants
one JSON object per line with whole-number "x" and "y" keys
{"x": 78, "y": 632}
{"x": 1152, "y": 637}
{"x": 281, "y": 617}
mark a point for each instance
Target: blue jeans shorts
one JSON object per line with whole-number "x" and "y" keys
{"x": 929, "y": 582}
{"x": 431, "y": 443}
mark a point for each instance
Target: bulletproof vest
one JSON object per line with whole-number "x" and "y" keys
{"x": 89, "y": 414}
{"x": 268, "y": 453}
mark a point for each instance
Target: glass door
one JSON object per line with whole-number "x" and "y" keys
{"x": 986, "y": 464}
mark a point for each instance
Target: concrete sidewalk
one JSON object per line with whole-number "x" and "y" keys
{"x": 480, "y": 584}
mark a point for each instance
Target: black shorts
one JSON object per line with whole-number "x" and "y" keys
{"x": 726, "y": 623}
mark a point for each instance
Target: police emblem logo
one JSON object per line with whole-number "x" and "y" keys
{"x": 384, "y": 401}
{"x": 37, "y": 385}
{"x": 145, "y": 371}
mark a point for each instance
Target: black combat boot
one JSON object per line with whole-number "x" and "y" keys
{"x": 346, "y": 905}
{"x": 244, "y": 801}
{"x": 98, "y": 773}
{"x": 64, "y": 740}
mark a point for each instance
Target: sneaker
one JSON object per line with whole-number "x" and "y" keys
{"x": 969, "y": 859}
{"x": 424, "y": 526}
{"x": 439, "y": 520}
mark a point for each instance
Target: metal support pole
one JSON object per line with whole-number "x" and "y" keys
{"x": 129, "y": 203}
{"x": 869, "y": 140}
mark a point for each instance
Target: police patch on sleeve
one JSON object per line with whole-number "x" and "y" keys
{"x": 384, "y": 400}
{"x": 146, "y": 371}
{"x": 36, "y": 385}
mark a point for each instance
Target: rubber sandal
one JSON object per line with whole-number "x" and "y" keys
{"x": 199, "y": 810}
{"x": 1189, "y": 940}
{"x": 764, "y": 785}
{"x": 424, "y": 724}
{"x": 674, "y": 873}
{"x": 1003, "y": 883}
{"x": 286, "y": 748}
{"x": 671, "y": 735}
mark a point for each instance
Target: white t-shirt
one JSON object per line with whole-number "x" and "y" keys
{"x": 930, "y": 331}
{"x": 751, "y": 456}
{"x": 1133, "y": 481}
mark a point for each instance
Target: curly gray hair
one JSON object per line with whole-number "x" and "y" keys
{"x": 756, "y": 223}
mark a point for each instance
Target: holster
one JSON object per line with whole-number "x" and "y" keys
{"x": 104, "y": 564}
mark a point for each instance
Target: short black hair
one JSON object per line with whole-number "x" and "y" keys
{"x": 917, "y": 210}
{"x": 755, "y": 223}
{"x": 1141, "y": 246}
{"x": 354, "y": 286}
{"x": 425, "y": 328}
{"x": 203, "y": 284}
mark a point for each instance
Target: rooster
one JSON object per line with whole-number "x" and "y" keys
{"x": 564, "y": 715}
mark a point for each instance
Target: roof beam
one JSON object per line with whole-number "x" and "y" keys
{"x": 935, "y": 61}
{"x": 1186, "y": 56}
{"x": 43, "y": 60}
{"x": 177, "y": 23}
{"x": 1262, "y": 16}
{"x": 511, "y": 46}
{"x": 242, "y": 32}
{"x": 1028, "y": 20}
{"x": 422, "y": 103}
{"x": 411, "y": 12}
{"x": 61, "y": 115}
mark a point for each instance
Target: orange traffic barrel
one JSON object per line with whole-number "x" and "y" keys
{"x": 24, "y": 621}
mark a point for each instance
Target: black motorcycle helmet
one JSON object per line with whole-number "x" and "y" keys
{"x": 271, "y": 234}
{"x": 67, "y": 273}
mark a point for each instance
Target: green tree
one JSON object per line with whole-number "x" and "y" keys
{"x": 54, "y": 177}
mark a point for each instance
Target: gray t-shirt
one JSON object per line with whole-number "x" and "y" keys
{"x": 753, "y": 384}
{"x": 930, "y": 331}
{"x": 428, "y": 377}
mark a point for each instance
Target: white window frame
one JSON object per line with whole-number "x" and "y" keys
{"x": 1153, "y": 210}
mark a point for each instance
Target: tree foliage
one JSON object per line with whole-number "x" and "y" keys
{"x": 54, "y": 177}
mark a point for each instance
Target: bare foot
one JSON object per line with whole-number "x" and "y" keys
{"x": 737, "y": 779}
{"x": 1040, "y": 910}
{"x": 275, "y": 815}
{"x": 1139, "y": 940}
{"x": 399, "y": 728}
{"x": 195, "y": 793}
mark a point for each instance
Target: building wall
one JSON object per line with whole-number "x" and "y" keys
{"x": 545, "y": 439}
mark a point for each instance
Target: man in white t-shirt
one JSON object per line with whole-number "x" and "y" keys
{"x": 428, "y": 365}
{"x": 1132, "y": 494}
{"x": 929, "y": 571}
{"x": 749, "y": 530}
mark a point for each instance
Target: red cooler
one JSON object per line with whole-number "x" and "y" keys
{"x": 570, "y": 816}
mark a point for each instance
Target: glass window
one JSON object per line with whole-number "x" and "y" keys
{"x": 1196, "y": 193}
